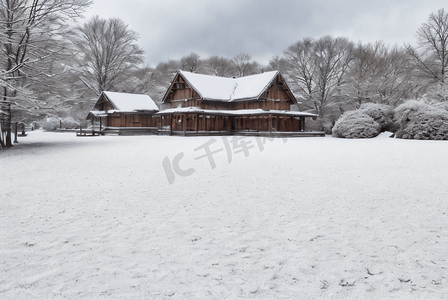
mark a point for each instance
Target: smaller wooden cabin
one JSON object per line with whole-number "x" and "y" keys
{"x": 122, "y": 110}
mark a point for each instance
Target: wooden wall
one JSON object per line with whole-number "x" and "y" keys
{"x": 181, "y": 94}
{"x": 132, "y": 120}
{"x": 266, "y": 123}
{"x": 199, "y": 122}
{"x": 104, "y": 104}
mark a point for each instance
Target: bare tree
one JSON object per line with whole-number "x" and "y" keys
{"x": 31, "y": 32}
{"x": 317, "y": 68}
{"x": 366, "y": 68}
{"x": 190, "y": 62}
{"x": 379, "y": 74}
{"x": 277, "y": 63}
{"x": 242, "y": 65}
{"x": 108, "y": 50}
{"x": 163, "y": 76}
{"x": 395, "y": 82}
{"x": 431, "y": 56}
{"x": 168, "y": 69}
{"x": 218, "y": 66}
{"x": 302, "y": 68}
{"x": 333, "y": 57}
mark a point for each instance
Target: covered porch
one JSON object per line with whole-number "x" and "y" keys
{"x": 195, "y": 121}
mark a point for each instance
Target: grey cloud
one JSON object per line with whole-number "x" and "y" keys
{"x": 262, "y": 28}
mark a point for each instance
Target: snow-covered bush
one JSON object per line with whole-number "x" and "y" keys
{"x": 53, "y": 123}
{"x": 366, "y": 122}
{"x": 69, "y": 123}
{"x": 381, "y": 113}
{"x": 441, "y": 105}
{"x": 356, "y": 124}
{"x": 49, "y": 124}
{"x": 421, "y": 121}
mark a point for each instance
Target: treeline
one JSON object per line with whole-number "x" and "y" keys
{"x": 52, "y": 69}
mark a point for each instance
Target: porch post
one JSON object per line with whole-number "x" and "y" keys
{"x": 270, "y": 123}
{"x": 160, "y": 124}
{"x": 171, "y": 124}
{"x": 184, "y": 118}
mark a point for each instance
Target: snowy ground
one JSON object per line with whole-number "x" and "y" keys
{"x": 301, "y": 218}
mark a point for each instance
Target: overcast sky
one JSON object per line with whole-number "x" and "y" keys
{"x": 170, "y": 29}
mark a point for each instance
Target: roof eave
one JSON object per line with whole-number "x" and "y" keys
{"x": 179, "y": 73}
{"x": 294, "y": 99}
{"x": 169, "y": 88}
{"x": 191, "y": 86}
{"x": 268, "y": 85}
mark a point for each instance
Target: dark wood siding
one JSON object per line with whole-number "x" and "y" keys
{"x": 132, "y": 120}
{"x": 200, "y": 122}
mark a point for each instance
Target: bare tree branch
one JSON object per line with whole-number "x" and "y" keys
{"x": 107, "y": 50}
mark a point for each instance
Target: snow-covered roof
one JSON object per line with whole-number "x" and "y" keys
{"x": 241, "y": 112}
{"x": 97, "y": 113}
{"x": 125, "y": 102}
{"x": 229, "y": 89}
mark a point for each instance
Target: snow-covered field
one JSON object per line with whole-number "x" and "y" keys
{"x": 151, "y": 217}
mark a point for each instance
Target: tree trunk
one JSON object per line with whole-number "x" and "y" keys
{"x": 8, "y": 137}
{"x": 2, "y": 144}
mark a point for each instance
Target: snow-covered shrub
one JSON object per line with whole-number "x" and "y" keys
{"x": 442, "y": 105}
{"x": 356, "y": 124}
{"x": 53, "y": 123}
{"x": 366, "y": 122}
{"x": 381, "y": 113}
{"x": 49, "y": 124}
{"x": 69, "y": 123}
{"x": 421, "y": 121}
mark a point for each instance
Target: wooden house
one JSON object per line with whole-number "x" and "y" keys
{"x": 121, "y": 111}
{"x": 204, "y": 104}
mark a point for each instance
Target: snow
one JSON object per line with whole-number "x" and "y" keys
{"x": 98, "y": 113}
{"x": 125, "y": 102}
{"x": 296, "y": 218}
{"x": 229, "y": 89}
{"x": 198, "y": 110}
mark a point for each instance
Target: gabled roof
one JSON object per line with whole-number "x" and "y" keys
{"x": 124, "y": 102}
{"x": 228, "y": 89}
